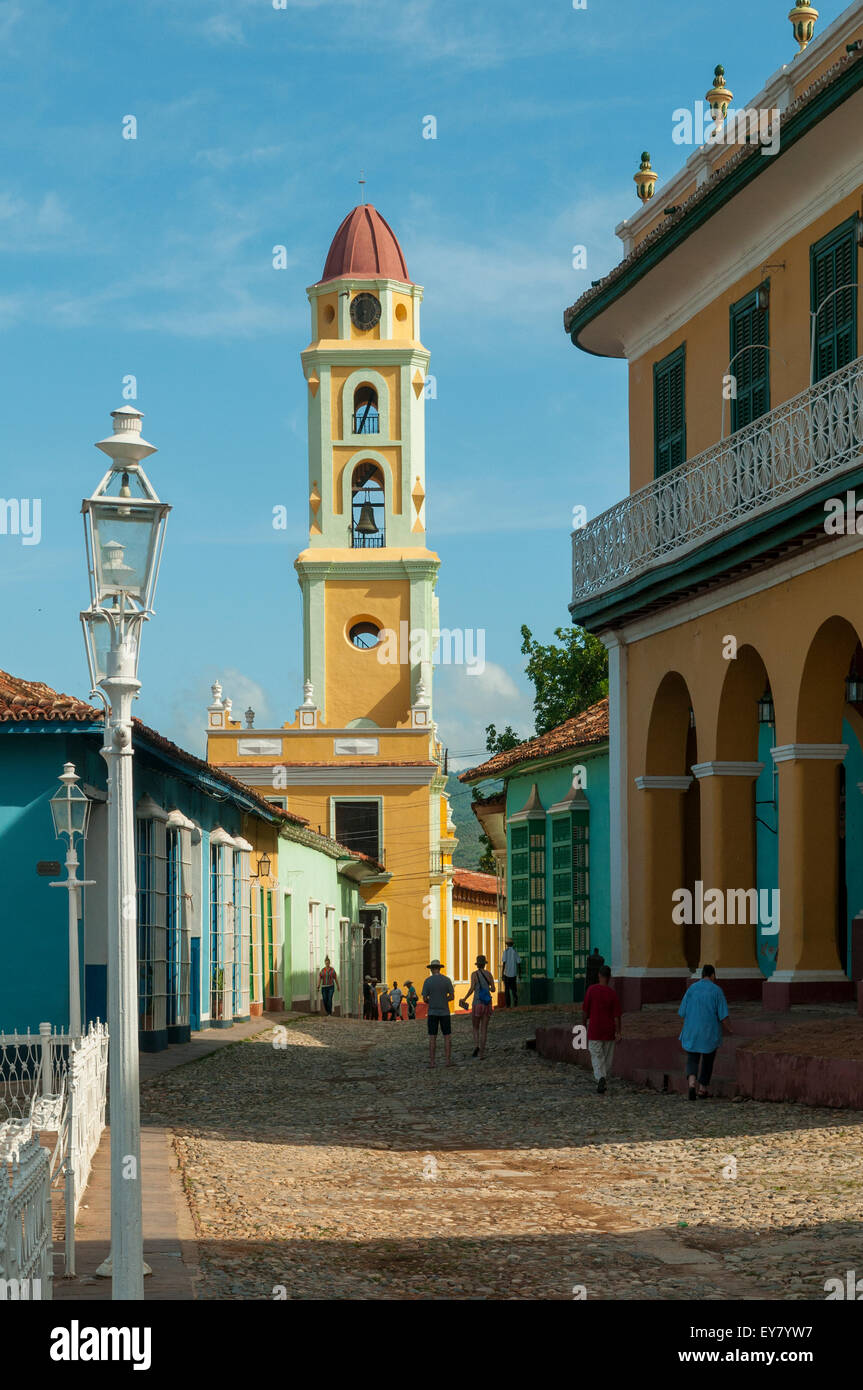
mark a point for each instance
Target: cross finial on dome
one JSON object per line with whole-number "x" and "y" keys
{"x": 362, "y": 184}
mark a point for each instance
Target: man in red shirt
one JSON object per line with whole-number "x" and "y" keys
{"x": 601, "y": 1012}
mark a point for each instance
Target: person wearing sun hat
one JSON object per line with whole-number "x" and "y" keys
{"x": 438, "y": 990}
{"x": 412, "y": 998}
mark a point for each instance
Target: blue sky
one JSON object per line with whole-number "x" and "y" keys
{"x": 153, "y": 257}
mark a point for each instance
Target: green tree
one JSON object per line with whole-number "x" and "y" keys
{"x": 568, "y": 675}
{"x": 487, "y": 863}
{"x": 501, "y": 742}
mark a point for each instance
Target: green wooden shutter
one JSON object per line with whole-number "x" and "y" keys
{"x": 538, "y": 931}
{"x": 561, "y": 866}
{"x": 833, "y": 264}
{"x": 580, "y": 898}
{"x": 669, "y": 412}
{"x": 519, "y": 890}
{"x": 750, "y": 364}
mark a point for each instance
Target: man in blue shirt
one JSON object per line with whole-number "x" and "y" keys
{"x": 705, "y": 1018}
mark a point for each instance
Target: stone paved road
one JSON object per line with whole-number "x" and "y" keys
{"x": 340, "y": 1166}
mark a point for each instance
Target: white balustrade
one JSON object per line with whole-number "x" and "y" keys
{"x": 809, "y": 438}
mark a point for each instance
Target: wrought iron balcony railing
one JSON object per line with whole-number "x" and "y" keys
{"x": 782, "y": 455}
{"x": 364, "y": 423}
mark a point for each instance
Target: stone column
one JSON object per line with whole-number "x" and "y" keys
{"x": 656, "y": 969}
{"x": 808, "y": 968}
{"x": 728, "y": 861}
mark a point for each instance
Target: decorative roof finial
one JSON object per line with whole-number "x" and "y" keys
{"x": 250, "y": 718}
{"x": 719, "y": 98}
{"x": 645, "y": 179}
{"x": 362, "y": 183}
{"x": 803, "y": 18}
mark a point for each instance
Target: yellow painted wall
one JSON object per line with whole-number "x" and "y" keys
{"x": 358, "y": 685}
{"x": 339, "y": 423}
{"x": 342, "y": 458}
{"x": 405, "y": 838}
{"x": 471, "y": 940}
{"x": 707, "y": 339}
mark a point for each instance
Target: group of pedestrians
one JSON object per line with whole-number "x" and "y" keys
{"x": 388, "y": 1006}
{"x": 705, "y": 1019}
{"x": 704, "y": 1012}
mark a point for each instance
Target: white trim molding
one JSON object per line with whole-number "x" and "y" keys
{"x": 809, "y": 752}
{"x": 147, "y": 809}
{"x": 720, "y": 769}
{"x": 809, "y": 977}
{"x": 663, "y": 784}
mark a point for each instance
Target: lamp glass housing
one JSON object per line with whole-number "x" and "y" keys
{"x": 854, "y": 689}
{"x": 263, "y": 866}
{"x": 98, "y": 636}
{"x": 124, "y": 526}
{"x": 766, "y": 711}
{"x": 70, "y": 811}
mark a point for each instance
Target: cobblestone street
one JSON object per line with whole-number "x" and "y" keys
{"x": 340, "y": 1166}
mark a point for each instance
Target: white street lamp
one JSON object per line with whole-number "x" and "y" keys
{"x": 124, "y": 526}
{"x": 70, "y": 812}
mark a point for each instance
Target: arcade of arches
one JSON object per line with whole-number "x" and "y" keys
{"x": 742, "y": 772}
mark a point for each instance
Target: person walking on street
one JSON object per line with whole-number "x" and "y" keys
{"x": 386, "y": 1006}
{"x": 396, "y": 997}
{"x": 413, "y": 999}
{"x": 370, "y": 999}
{"x": 705, "y": 1018}
{"x": 601, "y": 1012}
{"x": 481, "y": 986}
{"x": 437, "y": 992}
{"x": 510, "y": 966}
{"x": 328, "y": 982}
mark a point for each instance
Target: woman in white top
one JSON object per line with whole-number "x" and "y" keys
{"x": 481, "y": 987}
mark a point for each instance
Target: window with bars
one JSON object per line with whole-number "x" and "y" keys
{"x": 561, "y": 887}
{"x": 241, "y": 945}
{"x": 177, "y": 932}
{"x": 221, "y": 937}
{"x": 669, "y": 412}
{"x": 152, "y": 926}
{"x": 750, "y": 361}
{"x": 833, "y": 273}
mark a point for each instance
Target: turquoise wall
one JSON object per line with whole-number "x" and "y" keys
{"x": 34, "y": 932}
{"x": 554, "y": 784}
{"x": 767, "y": 842}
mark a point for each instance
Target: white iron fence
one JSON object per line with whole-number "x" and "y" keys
{"x": 25, "y": 1221}
{"x": 806, "y": 440}
{"x": 56, "y": 1084}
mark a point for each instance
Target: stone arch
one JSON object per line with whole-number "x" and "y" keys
{"x": 366, "y": 376}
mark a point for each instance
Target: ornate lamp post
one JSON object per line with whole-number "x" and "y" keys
{"x": 124, "y": 526}
{"x": 70, "y": 812}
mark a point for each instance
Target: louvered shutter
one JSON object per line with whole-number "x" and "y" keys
{"x": 669, "y": 412}
{"x": 834, "y": 265}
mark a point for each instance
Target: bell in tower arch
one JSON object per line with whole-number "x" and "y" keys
{"x": 366, "y": 522}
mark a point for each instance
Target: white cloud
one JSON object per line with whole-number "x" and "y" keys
{"x": 188, "y": 716}
{"x": 465, "y": 705}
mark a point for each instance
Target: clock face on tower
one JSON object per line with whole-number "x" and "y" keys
{"x": 365, "y": 311}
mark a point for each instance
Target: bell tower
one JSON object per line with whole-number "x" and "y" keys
{"x": 367, "y": 578}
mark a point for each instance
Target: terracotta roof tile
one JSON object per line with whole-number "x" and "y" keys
{"x": 466, "y": 881}
{"x": 591, "y": 726}
{"x": 29, "y": 701}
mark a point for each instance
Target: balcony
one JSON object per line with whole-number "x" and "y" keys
{"x": 784, "y": 457}
{"x": 366, "y": 422}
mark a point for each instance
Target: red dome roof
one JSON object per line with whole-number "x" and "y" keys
{"x": 365, "y": 246}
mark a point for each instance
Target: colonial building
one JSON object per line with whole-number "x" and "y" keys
{"x": 361, "y": 758}
{"x": 548, "y": 827}
{"x": 728, "y": 595}
{"x": 221, "y": 876}
{"x": 476, "y": 918}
